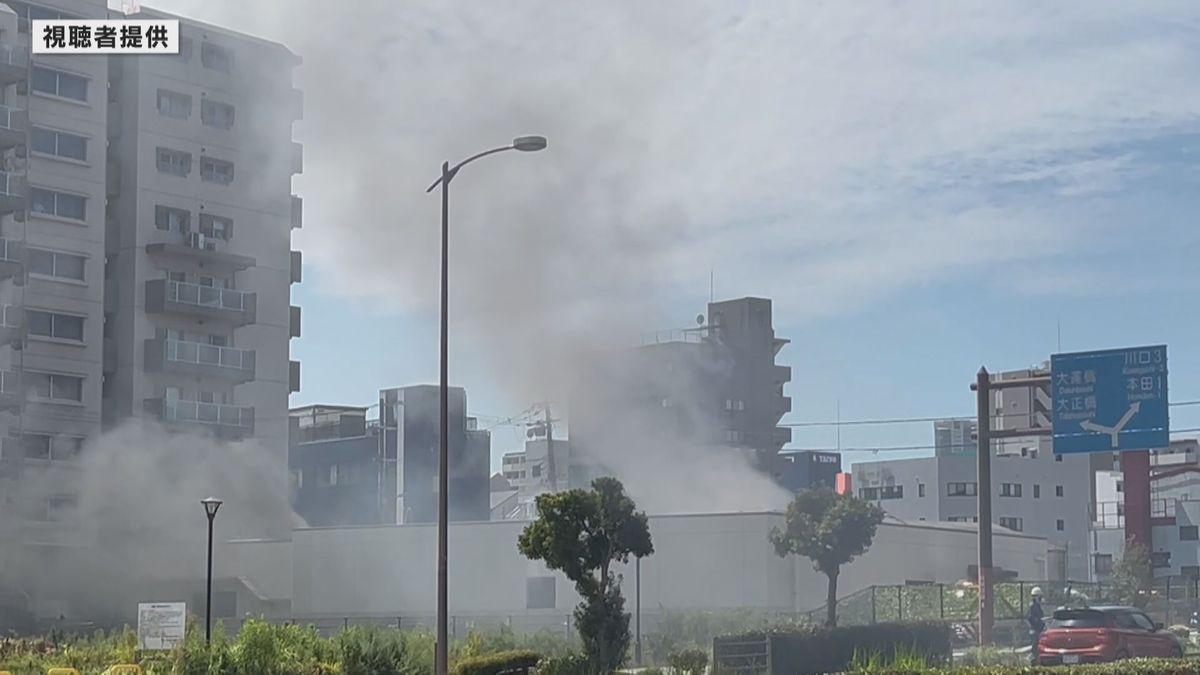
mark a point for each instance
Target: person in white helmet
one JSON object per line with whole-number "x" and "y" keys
{"x": 1037, "y": 621}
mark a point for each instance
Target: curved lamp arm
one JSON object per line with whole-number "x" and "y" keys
{"x": 448, "y": 174}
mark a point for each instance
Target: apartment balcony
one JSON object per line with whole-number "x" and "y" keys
{"x": 293, "y": 376}
{"x": 297, "y": 158}
{"x": 12, "y": 192}
{"x": 10, "y": 390}
{"x": 294, "y": 321}
{"x": 297, "y": 267}
{"x": 781, "y": 374}
{"x": 228, "y": 422}
{"x": 297, "y": 212}
{"x": 783, "y": 405}
{"x": 209, "y": 252}
{"x": 11, "y": 259}
{"x": 14, "y": 125}
{"x": 165, "y": 296}
{"x": 14, "y": 63}
{"x": 200, "y": 360}
{"x": 12, "y": 325}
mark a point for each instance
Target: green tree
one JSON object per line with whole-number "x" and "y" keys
{"x": 830, "y": 530}
{"x": 1132, "y": 576}
{"x": 582, "y": 533}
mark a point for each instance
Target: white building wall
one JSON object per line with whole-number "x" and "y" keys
{"x": 708, "y": 562}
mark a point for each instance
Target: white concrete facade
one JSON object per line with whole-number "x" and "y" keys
{"x": 132, "y": 286}
{"x": 701, "y": 562}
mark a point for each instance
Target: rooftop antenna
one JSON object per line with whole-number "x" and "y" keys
{"x": 712, "y": 286}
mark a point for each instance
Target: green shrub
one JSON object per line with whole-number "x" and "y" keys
{"x": 371, "y": 651}
{"x": 831, "y": 650}
{"x": 570, "y": 664}
{"x": 516, "y": 661}
{"x": 1181, "y": 632}
{"x": 988, "y": 657}
{"x": 690, "y": 661}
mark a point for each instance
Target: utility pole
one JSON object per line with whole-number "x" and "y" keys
{"x": 983, "y": 388}
{"x": 550, "y": 447}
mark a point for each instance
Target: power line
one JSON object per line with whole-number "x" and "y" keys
{"x": 916, "y": 420}
{"x": 963, "y": 446}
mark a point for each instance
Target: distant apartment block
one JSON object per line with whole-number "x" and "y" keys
{"x": 714, "y": 385}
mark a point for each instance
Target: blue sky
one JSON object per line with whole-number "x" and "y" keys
{"x": 922, "y": 188}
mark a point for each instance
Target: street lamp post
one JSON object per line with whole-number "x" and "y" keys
{"x": 211, "y": 504}
{"x": 524, "y": 144}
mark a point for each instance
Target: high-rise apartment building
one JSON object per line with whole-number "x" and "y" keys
{"x": 146, "y": 212}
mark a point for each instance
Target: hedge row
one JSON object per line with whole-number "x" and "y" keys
{"x": 516, "y": 661}
{"x": 818, "y": 649}
{"x": 1137, "y": 667}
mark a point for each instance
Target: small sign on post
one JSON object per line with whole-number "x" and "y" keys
{"x": 99, "y": 36}
{"x": 161, "y": 625}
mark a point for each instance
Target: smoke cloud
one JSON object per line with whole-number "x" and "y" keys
{"x": 138, "y": 520}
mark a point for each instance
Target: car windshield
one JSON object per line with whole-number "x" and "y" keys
{"x": 1078, "y": 618}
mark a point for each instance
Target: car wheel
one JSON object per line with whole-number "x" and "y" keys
{"x": 1176, "y": 652}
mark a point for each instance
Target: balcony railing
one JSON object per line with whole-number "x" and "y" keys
{"x": 10, "y": 250}
{"x": 208, "y": 413}
{"x": 199, "y": 353}
{"x": 8, "y": 184}
{"x": 10, "y": 316}
{"x": 10, "y": 382}
{"x": 13, "y": 56}
{"x": 8, "y": 118}
{"x": 206, "y": 296}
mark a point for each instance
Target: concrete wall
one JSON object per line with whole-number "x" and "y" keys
{"x": 707, "y": 562}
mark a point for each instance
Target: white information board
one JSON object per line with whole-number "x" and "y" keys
{"x": 161, "y": 625}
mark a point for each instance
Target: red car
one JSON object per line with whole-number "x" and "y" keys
{"x": 1102, "y": 634}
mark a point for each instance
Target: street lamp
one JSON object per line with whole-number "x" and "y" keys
{"x": 523, "y": 144}
{"x": 211, "y": 504}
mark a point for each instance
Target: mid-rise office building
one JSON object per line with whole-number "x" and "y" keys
{"x": 409, "y": 431}
{"x": 337, "y": 467}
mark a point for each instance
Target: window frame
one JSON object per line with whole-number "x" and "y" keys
{"x": 58, "y": 135}
{"x": 208, "y": 170}
{"x": 54, "y": 320}
{"x": 54, "y": 257}
{"x": 162, "y": 95}
{"x": 54, "y": 214}
{"x": 58, "y": 77}
{"x": 51, "y": 378}
{"x": 208, "y": 106}
{"x": 161, "y": 152}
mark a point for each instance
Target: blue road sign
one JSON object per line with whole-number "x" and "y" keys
{"x": 1110, "y": 400}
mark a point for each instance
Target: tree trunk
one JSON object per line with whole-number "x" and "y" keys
{"x": 831, "y": 599}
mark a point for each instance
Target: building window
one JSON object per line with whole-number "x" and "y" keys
{"x": 1014, "y": 524}
{"x": 1103, "y": 563}
{"x": 1120, "y": 486}
{"x": 297, "y": 479}
{"x": 175, "y": 162}
{"x": 216, "y": 58}
{"x": 535, "y": 470}
{"x": 216, "y": 227}
{"x": 61, "y": 204}
{"x": 1058, "y": 490}
{"x": 1060, "y": 525}
{"x": 51, "y": 448}
{"x": 920, "y": 489}
{"x": 174, "y": 104}
{"x": 539, "y": 593}
{"x": 734, "y": 404}
{"x": 963, "y": 519}
{"x": 1190, "y": 572}
{"x": 54, "y": 325}
{"x": 216, "y": 114}
{"x": 870, "y": 494}
{"x": 171, "y": 219}
{"x": 1037, "y": 491}
{"x": 57, "y": 265}
{"x": 1160, "y": 559}
{"x": 216, "y": 171}
{"x": 54, "y": 387}
{"x": 57, "y": 83}
{"x": 1189, "y": 533}
{"x": 891, "y": 492}
{"x": 961, "y": 489}
{"x": 1058, "y": 458}
{"x": 1010, "y": 489}
{"x": 59, "y": 144}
